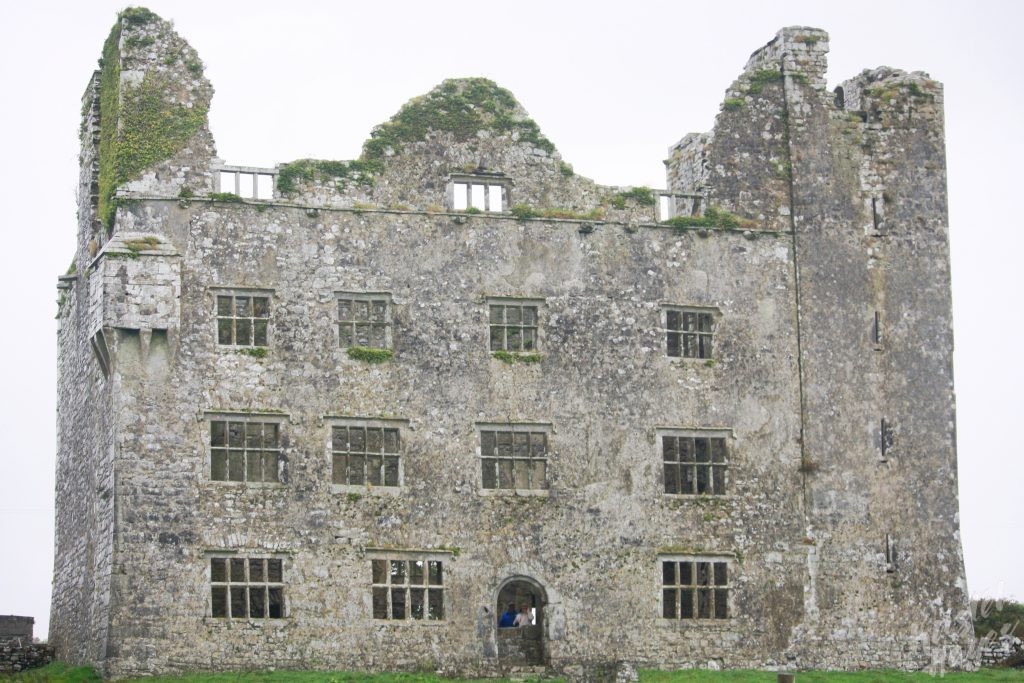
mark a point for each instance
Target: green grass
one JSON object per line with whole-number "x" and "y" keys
{"x": 58, "y": 672}
{"x": 703, "y": 676}
{"x": 63, "y": 673}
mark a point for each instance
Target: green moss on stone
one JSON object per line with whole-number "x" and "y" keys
{"x": 138, "y": 127}
{"x": 642, "y": 196}
{"x": 368, "y": 355}
{"x": 762, "y": 77}
{"x": 461, "y": 107}
{"x": 142, "y": 244}
{"x": 513, "y": 357}
{"x": 306, "y": 170}
{"x": 229, "y": 197}
{"x": 712, "y": 218}
{"x": 732, "y": 103}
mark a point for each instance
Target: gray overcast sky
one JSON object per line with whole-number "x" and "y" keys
{"x": 611, "y": 84}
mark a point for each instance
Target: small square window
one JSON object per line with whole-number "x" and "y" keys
{"x": 246, "y": 588}
{"x": 513, "y": 325}
{"x": 364, "y": 319}
{"x": 246, "y": 450}
{"x": 694, "y": 462}
{"x": 243, "y": 319}
{"x": 689, "y": 332}
{"x": 695, "y": 588}
{"x": 366, "y": 452}
{"x": 407, "y": 587}
{"x": 513, "y": 457}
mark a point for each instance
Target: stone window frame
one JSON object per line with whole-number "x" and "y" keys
{"x": 511, "y": 301}
{"x": 234, "y": 292}
{"x": 402, "y": 425}
{"x": 727, "y": 466}
{"x": 514, "y": 428}
{"x": 487, "y": 180}
{"x": 247, "y": 583}
{"x": 407, "y": 585}
{"x": 701, "y": 337}
{"x": 694, "y": 587}
{"x": 368, "y": 297}
{"x": 280, "y": 419}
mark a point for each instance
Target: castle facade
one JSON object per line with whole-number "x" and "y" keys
{"x": 339, "y": 414}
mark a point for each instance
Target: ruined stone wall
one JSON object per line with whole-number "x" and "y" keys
{"x": 813, "y": 517}
{"x": 865, "y": 191}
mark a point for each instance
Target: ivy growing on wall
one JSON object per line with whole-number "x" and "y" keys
{"x": 138, "y": 127}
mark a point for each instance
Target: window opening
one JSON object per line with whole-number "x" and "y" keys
{"x": 365, "y": 455}
{"x": 364, "y": 320}
{"x": 665, "y": 207}
{"x": 887, "y": 438}
{"x": 694, "y": 589}
{"x": 513, "y": 327}
{"x": 246, "y": 588}
{"x": 694, "y": 464}
{"x": 890, "y": 554}
{"x": 479, "y": 194}
{"x": 247, "y": 184}
{"x": 514, "y": 458}
{"x": 242, "y": 320}
{"x": 689, "y": 333}
{"x": 244, "y": 451}
{"x": 408, "y": 588}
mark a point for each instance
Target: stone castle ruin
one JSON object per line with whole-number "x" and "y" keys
{"x": 337, "y": 414}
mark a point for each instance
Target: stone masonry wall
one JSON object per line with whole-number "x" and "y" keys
{"x": 827, "y": 541}
{"x": 605, "y": 394}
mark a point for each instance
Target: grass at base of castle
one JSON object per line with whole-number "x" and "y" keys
{"x": 63, "y": 673}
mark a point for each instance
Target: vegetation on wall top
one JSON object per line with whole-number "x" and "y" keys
{"x": 138, "y": 127}
{"x": 462, "y": 107}
{"x": 358, "y": 170}
{"x": 711, "y": 218}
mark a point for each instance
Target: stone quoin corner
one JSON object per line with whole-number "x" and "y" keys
{"x": 340, "y": 414}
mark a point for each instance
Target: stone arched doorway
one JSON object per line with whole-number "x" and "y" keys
{"x": 523, "y": 645}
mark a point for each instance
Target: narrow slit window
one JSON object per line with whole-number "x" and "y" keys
{"x": 460, "y": 196}
{"x": 246, "y": 185}
{"x": 264, "y": 186}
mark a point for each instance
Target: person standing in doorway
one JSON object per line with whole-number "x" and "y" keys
{"x": 508, "y": 617}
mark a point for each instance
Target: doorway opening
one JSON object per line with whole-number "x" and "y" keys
{"x": 522, "y": 645}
